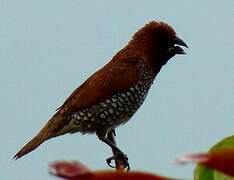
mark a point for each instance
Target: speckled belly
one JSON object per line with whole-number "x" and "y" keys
{"x": 112, "y": 112}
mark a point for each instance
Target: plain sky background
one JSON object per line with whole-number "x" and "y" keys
{"x": 48, "y": 48}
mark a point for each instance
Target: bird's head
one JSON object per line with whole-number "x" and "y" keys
{"x": 159, "y": 41}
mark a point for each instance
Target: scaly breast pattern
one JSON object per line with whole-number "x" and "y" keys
{"x": 116, "y": 110}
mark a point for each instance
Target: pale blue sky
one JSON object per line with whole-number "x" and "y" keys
{"x": 48, "y": 48}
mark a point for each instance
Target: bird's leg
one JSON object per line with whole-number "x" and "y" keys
{"x": 120, "y": 158}
{"x": 119, "y": 165}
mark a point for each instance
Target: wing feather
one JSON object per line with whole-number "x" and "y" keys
{"x": 116, "y": 76}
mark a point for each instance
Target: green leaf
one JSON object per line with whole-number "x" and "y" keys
{"x": 221, "y": 176}
{"x": 225, "y": 143}
{"x": 204, "y": 173}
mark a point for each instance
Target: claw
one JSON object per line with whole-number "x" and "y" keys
{"x": 121, "y": 157}
{"x": 108, "y": 161}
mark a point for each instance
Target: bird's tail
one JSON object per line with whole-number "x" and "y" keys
{"x": 48, "y": 131}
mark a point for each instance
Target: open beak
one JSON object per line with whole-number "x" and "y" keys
{"x": 178, "y": 49}
{"x": 175, "y": 48}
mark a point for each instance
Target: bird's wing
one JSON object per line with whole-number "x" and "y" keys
{"x": 116, "y": 76}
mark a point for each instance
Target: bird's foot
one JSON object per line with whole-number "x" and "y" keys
{"x": 120, "y": 158}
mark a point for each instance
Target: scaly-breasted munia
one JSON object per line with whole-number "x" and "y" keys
{"x": 113, "y": 94}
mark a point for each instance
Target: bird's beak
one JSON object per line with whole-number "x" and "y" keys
{"x": 178, "y": 49}
{"x": 180, "y": 42}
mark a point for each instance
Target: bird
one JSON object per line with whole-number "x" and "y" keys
{"x": 114, "y": 93}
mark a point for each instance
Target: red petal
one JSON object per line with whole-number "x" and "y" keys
{"x": 221, "y": 160}
{"x": 118, "y": 175}
{"x": 68, "y": 169}
{"x": 72, "y": 170}
{"x": 123, "y": 175}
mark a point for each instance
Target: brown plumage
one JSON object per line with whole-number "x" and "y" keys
{"x": 115, "y": 92}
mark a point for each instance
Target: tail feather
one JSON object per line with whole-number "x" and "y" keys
{"x": 30, "y": 146}
{"x": 50, "y": 130}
